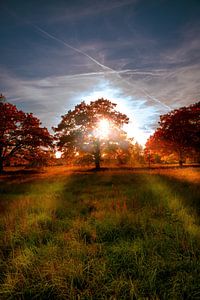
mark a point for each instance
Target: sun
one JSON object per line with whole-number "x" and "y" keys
{"x": 103, "y": 128}
{"x": 58, "y": 154}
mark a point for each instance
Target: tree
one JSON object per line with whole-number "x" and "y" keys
{"x": 20, "y": 133}
{"x": 90, "y": 128}
{"x": 136, "y": 154}
{"x": 40, "y": 157}
{"x": 178, "y": 132}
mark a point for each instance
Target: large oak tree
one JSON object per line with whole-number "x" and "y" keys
{"x": 79, "y": 131}
{"x": 178, "y": 132}
{"x": 20, "y": 133}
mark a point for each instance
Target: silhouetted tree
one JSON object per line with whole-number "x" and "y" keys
{"x": 78, "y": 130}
{"x": 20, "y": 133}
{"x": 178, "y": 132}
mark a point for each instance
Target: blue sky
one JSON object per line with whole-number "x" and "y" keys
{"x": 143, "y": 55}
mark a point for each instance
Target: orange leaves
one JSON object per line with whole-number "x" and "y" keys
{"x": 178, "y": 132}
{"x": 79, "y": 129}
{"x": 20, "y": 131}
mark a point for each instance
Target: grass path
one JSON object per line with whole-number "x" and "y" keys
{"x": 106, "y": 235}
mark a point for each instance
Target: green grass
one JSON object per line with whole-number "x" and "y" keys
{"x": 106, "y": 235}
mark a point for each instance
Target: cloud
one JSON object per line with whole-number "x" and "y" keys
{"x": 106, "y": 69}
{"x": 142, "y": 77}
{"x": 143, "y": 93}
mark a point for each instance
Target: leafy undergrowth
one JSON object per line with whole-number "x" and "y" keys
{"x": 106, "y": 235}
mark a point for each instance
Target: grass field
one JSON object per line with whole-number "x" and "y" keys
{"x": 117, "y": 234}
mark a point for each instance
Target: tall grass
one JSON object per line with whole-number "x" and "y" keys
{"x": 109, "y": 235}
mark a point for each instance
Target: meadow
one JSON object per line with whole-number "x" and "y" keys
{"x": 113, "y": 234}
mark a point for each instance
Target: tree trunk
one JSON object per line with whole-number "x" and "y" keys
{"x": 1, "y": 165}
{"x": 97, "y": 155}
{"x": 180, "y": 163}
{"x": 180, "y": 158}
{"x": 97, "y": 165}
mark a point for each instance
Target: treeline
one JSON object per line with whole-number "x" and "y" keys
{"x": 93, "y": 134}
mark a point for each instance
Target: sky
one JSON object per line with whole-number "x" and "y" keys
{"x": 143, "y": 55}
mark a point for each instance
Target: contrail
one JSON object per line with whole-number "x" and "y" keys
{"x": 71, "y": 47}
{"x": 119, "y": 72}
{"x": 107, "y": 69}
{"x": 156, "y": 99}
{"x": 144, "y": 92}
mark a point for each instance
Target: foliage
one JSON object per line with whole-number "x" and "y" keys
{"x": 20, "y": 134}
{"x": 136, "y": 153}
{"x": 178, "y": 132}
{"x": 77, "y": 132}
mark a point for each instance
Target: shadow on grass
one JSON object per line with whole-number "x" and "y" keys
{"x": 139, "y": 168}
{"x": 91, "y": 185}
{"x": 99, "y": 235}
{"x": 187, "y": 192}
{"x": 146, "y": 245}
{"x": 11, "y": 192}
{"x": 22, "y": 171}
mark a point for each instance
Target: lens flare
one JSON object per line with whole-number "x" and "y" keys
{"x": 103, "y": 129}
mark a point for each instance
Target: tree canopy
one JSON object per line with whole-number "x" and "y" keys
{"x": 20, "y": 133}
{"x": 178, "y": 132}
{"x": 91, "y": 127}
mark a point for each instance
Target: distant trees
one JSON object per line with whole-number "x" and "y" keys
{"x": 178, "y": 133}
{"x": 21, "y": 134}
{"x": 90, "y": 129}
{"x": 136, "y": 155}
